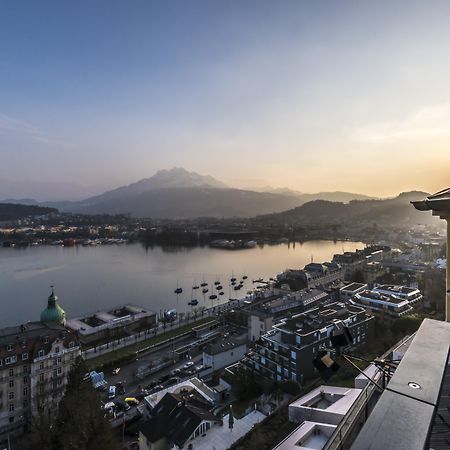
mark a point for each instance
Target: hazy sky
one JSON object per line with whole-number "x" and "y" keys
{"x": 314, "y": 95}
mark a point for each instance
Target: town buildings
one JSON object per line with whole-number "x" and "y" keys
{"x": 35, "y": 359}
{"x": 286, "y": 352}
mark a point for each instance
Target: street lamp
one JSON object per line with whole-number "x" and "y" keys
{"x": 439, "y": 205}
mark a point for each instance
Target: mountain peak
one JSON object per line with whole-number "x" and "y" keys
{"x": 178, "y": 177}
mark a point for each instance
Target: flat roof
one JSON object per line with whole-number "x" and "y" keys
{"x": 403, "y": 417}
{"x": 305, "y": 438}
{"x": 347, "y": 397}
{"x": 353, "y": 287}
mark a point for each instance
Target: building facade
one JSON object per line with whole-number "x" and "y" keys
{"x": 286, "y": 352}
{"x": 35, "y": 359}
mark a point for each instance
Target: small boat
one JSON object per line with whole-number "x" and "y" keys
{"x": 205, "y": 290}
{"x": 212, "y": 297}
{"x": 219, "y": 287}
{"x": 237, "y": 287}
{"x": 233, "y": 283}
{"x": 244, "y": 277}
{"x": 217, "y": 283}
{"x": 193, "y": 302}
{"x": 221, "y": 293}
{"x": 258, "y": 280}
{"x": 178, "y": 290}
{"x": 195, "y": 287}
{"x": 232, "y": 279}
{"x": 204, "y": 284}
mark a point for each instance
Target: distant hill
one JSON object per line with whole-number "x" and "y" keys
{"x": 336, "y": 196}
{"x": 10, "y": 211}
{"x": 394, "y": 211}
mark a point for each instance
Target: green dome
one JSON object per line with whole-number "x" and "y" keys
{"x": 53, "y": 313}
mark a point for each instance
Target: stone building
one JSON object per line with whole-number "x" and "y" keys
{"x": 35, "y": 359}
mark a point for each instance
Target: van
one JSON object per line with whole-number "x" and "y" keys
{"x": 112, "y": 392}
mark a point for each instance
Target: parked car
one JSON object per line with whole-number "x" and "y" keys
{"x": 120, "y": 389}
{"x": 112, "y": 392}
{"x": 132, "y": 400}
{"x": 172, "y": 381}
{"x": 122, "y": 405}
{"x": 188, "y": 365}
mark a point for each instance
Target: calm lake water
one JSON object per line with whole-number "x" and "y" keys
{"x": 88, "y": 279}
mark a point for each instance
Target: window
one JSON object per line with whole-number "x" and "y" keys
{"x": 71, "y": 344}
{"x": 24, "y": 356}
{"x": 11, "y": 409}
{"x": 41, "y": 366}
{"x": 25, "y": 369}
{"x": 25, "y": 391}
{"x": 59, "y": 370}
{"x": 10, "y": 359}
{"x": 11, "y": 383}
{"x": 41, "y": 353}
{"x": 57, "y": 349}
{"x": 58, "y": 361}
{"x": 41, "y": 377}
{"x": 11, "y": 395}
{"x": 25, "y": 380}
{"x": 10, "y": 347}
{"x": 45, "y": 339}
{"x": 11, "y": 372}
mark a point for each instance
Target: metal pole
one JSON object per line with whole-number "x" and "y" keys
{"x": 447, "y": 299}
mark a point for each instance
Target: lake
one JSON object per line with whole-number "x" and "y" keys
{"x": 88, "y": 279}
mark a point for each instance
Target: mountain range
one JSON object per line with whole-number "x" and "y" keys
{"x": 179, "y": 194}
{"x": 392, "y": 211}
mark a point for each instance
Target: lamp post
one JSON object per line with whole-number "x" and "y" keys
{"x": 439, "y": 205}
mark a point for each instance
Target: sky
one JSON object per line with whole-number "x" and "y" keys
{"x": 310, "y": 95}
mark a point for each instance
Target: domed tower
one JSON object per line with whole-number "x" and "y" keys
{"x": 53, "y": 313}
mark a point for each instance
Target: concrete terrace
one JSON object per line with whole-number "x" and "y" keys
{"x": 221, "y": 437}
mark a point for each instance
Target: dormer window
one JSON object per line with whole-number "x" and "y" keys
{"x": 45, "y": 339}
{"x": 41, "y": 353}
{"x": 10, "y": 347}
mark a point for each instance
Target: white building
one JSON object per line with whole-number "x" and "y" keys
{"x": 223, "y": 354}
{"x": 325, "y": 404}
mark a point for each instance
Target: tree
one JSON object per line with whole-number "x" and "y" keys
{"x": 80, "y": 423}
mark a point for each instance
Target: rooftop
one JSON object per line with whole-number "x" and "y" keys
{"x": 308, "y": 436}
{"x": 320, "y": 317}
{"x": 407, "y": 415}
{"x": 352, "y": 287}
{"x": 225, "y": 345}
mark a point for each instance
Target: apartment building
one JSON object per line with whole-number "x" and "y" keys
{"x": 385, "y": 306}
{"x": 286, "y": 352}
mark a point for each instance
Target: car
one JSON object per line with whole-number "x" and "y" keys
{"x": 120, "y": 389}
{"x": 122, "y": 405}
{"x": 188, "y": 365}
{"x": 151, "y": 385}
{"x": 132, "y": 400}
{"x": 116, "y": 371}
{"x": 199, "y": 367}
{"x": 112, "y": 392}
{"x": 172, "y": 381}
{"x": 175, "y": 372}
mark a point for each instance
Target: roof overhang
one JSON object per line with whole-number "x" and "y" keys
{"x": 438, "y": 203}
